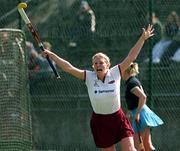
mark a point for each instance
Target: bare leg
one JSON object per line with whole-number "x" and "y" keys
{"x": 147, "y": 140}
{"x": 127, "y": 144}
{"x": 136, "y": 141}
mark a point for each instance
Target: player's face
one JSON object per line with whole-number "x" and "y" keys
{"x": 100, "y": 65}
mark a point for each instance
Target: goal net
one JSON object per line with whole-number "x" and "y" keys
{"x": 15, "y": 119}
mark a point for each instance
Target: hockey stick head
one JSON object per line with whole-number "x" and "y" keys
{"x": 20, "y": 8}
{"x": 22, "y": 5}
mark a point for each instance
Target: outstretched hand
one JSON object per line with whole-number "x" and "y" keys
{"x": 147, "y": 33}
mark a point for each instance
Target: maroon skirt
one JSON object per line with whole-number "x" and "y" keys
{"x": 110, "y": 129}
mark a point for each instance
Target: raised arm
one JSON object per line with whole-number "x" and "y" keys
{"x": 147, "y": 33}
{"x": 64, "y": 65}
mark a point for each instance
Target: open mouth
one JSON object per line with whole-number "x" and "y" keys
{"x": 99, "y": 70}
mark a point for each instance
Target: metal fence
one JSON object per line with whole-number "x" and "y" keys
{"x": 61, "y": 109}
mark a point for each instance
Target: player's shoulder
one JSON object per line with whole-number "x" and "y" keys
{"x": 90, "y": 73}
{"x": 132, "y": 79}
{"x": 115, "y": 68}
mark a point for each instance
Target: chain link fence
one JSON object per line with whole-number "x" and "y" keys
{"x": 61, "y": 109}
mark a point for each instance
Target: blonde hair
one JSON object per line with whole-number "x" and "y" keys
{"x": 100, "y": 54}
{"x": 47, "y": 45}
{"x": 132, "y": 69}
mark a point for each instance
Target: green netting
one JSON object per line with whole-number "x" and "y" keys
{"x": 15, "y": 121}
{"x": 61, "y": 109}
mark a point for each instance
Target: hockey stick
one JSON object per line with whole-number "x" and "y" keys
{"x": 35, "y": 34}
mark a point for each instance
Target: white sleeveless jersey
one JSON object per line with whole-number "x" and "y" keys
{"x": 104, "y": 96}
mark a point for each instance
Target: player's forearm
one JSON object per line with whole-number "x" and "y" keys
{"x": 63, "y": 64}
{"x": 142, "y": 101}
{"x": 136, "y": 48}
